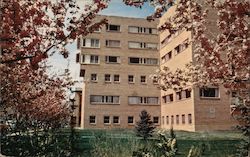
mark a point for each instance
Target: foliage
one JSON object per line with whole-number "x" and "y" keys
{"x": 197, "y": 151}
{"x": 145, "y": 127}
{"x": 167, "y": 145}
{"x": 53, "y": 143}
{"x": 108, "y": 146}
{"x": 31, "y": 31}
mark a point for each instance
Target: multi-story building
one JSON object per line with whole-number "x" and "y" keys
{"x": 116, "y": 63}
{"x": 193, "y": 108}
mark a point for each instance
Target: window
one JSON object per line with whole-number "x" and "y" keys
{"x": 166, "y": 40}
{"x": 151, "y": 46}
{"x": 107, "y": 78}
{"x": 90, "y": 59}
{"x": 113, "y": 43}
{"x": 156, "y": 120}
{"x": 146, "y": 61}
{"x": 113, "y": 28}
{"x": 183, "y": 119}
{"x": 177, "y": 119}
{"x": 131, "y": 79}
{"x": 167, "y": 120}
{"x": 78, "y": 43}
{"x": 106, "y": 120}
{"x": 77, "y": 57}
{"x": 130, "y": 120}
{"x": 150, "y": 61}
{"x": 188, "y": 93}
{"x": 116, "y": 78}
{"x": 143, "y": 79}
{"x": 172, "y": 119}
{"x": 101, "y": 99}
{"x": 209, "y": 92}
{"x": 142, "y": 30}
{"x": 162, "y": 119}
{"x": 91, "y": 43}
{"x": 82, "y": 73}
{"x": 116, "y": 120}
{"x": 189, "y": 118}
{"x": 93, "y": 77}
{"x": 166, "y": 57}
{"x": 112, "y": 59}
{"x": 134, "y": 60}
{"x": 183, "y": 94}
{"x": 135, "y": 45}
{"x": 142, "y": 100}
{"x": 168, "y": 98}
{"x": 92, "y": 120}
{"x": 142, "y": 45}
{"x": 155, "y": 80}
{"x": 97, "y": 30}
{"x": 185, "y": 44}
{"x": 177, "y": 49}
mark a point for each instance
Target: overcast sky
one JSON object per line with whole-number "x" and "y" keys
{"x": 115, "y": 8}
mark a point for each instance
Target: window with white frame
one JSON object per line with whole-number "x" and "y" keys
{"x": 90, "y": 59}
{"x": 130, "y": 120}
{"x": 106, "y": 119}
{"x": 131, "y": 79}
{"x": 91, "y": 43}
{"x": 166, "y": 40}
{"x": 209, "y": 92}
{"x": 150, "y": 61}
{"x": 151, "y": 46}
{"x": 92, "y": 120}
{"x": 113, "y": 43}
{"x": 107, "y": 78}
{"x": 116, "y": 78}
{"x": 155, "y": 80}
{"x": 166, "y": 57}
{"x": 156, "y": 120}
{"x": 113, "y": 28}
{"x": 143, "y": 79}
{"x": 116, "y": 120}
{"x": 168, "y": 98}
{"x": 93, "y": 77}
{"x": 142, "y": 30}
{"x": 177, "y": 49}
{"x": 183, "y": 94}
{"x": 142, "y": 100}
{"x": 112, "y": 59}
{"x": 142, "y": 45}
{"x": 103, "y": 99}
{"x": 144, "y": 61}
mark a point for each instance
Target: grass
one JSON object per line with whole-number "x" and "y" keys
{"x": 110, "y": 143}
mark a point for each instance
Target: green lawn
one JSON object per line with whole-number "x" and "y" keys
{"x": 120, "y": 141}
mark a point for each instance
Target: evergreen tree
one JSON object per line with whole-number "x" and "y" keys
{"x": 145, "y": 127}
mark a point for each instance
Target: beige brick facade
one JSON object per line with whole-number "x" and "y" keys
{"x": 122, "y": 88}
{"x": 194, "y": 112}
{"x": 119, "y": 99}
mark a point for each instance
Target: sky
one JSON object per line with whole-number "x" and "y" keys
{"x": 115, "y": 8}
